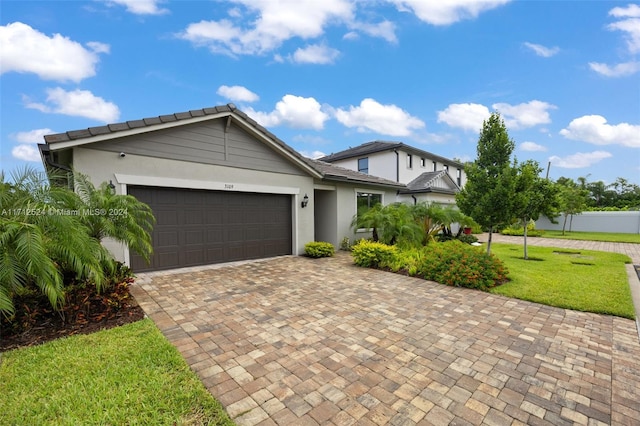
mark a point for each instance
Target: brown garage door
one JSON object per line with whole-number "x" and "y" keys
{"x": 198, "y": 227}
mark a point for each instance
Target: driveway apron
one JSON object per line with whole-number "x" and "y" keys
{"x": 299, "y": 341}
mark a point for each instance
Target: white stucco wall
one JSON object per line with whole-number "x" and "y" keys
{"x": 620, "y": 222}
{"x": 104, "y": 166}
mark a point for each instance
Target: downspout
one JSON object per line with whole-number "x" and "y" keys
{"x": 397, "y": 165}
{"x": 415, "y": 200}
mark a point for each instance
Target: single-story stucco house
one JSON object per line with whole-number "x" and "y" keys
{"x": 222, "y": 187}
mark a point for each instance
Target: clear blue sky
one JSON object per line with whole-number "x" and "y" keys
{"x": 324, "y": 75}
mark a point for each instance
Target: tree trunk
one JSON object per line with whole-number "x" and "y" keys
{"x": 564, "y": 225}
{"x": 489, "y": 242}
{"x": 526, "y": 256}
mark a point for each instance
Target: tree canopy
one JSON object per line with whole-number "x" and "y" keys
{"x": 488, "y": 194}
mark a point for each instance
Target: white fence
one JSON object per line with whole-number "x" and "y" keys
{"x": 622, "y": 222}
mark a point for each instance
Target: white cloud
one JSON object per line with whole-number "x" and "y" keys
{"x": 524, "y": 115}
{"x": 26, "y": 152}
{"x": 630, "y": 25}
{"x": 439, "y": 12}
{"x": 313, "y": 154}
{"x": 619, "y": 70}
{"x": 276, "y": 22}
{"x": 32, "y": 136}
{"x": 237, "y": 93}
{"x": 532, "y": 147}
{"x": 540, "y": 50}
{"x": 98, "y": 47}
{"x": 80, "y": 103}
{"x": 370, "y": 115}
{"x": 579, "y": 160}
{"x": 292, "y": 111}
{"x": 594, "y": 129}
{"x": 464, "y": 116}
{"x": 315, "y": 54}
{"x": 26, "y": 50}
{"x": 141, "y": 7}
{"x": 385, "y": 30}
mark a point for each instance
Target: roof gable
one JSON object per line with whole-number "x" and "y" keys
{"x": 440, "y": 182}
{"x": 117, "y": 131}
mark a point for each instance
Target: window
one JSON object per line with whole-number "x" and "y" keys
{"x": 446, "y": 168}
{"x": 435, "y": 166}
{"x": 366, "y": 200}
{"x": 423, "y": 162}
{"x": 459, "y": 177}
{"x": 409, "y": 161}
{"x": 363, "y": 165}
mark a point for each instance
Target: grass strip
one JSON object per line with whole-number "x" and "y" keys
{"x": 125, "y": 375}
{"x": 582, "y": 280}
{"x": 594, "y": 236}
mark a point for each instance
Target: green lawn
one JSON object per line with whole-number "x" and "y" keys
{"x": 582, "y": 280}
{"x": 126, "y": 375}
{"x": 594, "y": 236}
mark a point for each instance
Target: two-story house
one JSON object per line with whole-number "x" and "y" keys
{"x": 428, "y": 177}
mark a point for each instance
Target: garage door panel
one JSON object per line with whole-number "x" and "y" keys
{"x": 201, "y": 227}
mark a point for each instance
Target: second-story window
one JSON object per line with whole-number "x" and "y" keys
{"x": 423, "y": 162}
{"x": 446, "y": 168}
{"x": 435, "y": 166}
{"x": 363, "y": 165}
{"x": 409, "y": 161}
{"x": 459, "y": 177}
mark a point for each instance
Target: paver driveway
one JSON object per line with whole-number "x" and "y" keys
{"x": 296, "y": 341}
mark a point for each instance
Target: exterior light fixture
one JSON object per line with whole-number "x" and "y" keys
{"x": 111, "y": 187}
{"x": 305, "y": 201}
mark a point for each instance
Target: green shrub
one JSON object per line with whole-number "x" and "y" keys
{"x": 452, "y": 263}
{"x": 518, "y": 230}
{"x": 457, "y": 264}
{"x": 468, "y": 238}
{"x": 318, "y": 249}
{"x": 345, "y": 244}
{"x": 371, "y": 254}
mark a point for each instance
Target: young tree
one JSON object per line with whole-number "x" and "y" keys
{"x": 534, "y": 196}
{"x": 488, "y": 194}
{"x": 573, "y": 199}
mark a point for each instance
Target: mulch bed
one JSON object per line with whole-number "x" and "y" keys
{"x": 85, "y": 312}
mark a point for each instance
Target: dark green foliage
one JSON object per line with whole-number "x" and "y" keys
{"x": 468, "y": 238}
{"x": 488, "y": 195}
{"x": 51, "y": 235}
{"x": 457, "y": 264}
{"x": 82, "y": 301}
{"x": 317, "y": 249}
{"x": 372, "y": 254}
{"x": 410, "y": 225}
{"x": 452, "y": 263}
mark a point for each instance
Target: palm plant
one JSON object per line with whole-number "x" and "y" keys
{"x": 120, "y": 217}
{"x": 40, "y": 239}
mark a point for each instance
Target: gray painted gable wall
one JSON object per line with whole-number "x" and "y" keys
{"x": 206, "y": 143}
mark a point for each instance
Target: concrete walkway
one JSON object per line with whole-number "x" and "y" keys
{"x": 297, "y": 341}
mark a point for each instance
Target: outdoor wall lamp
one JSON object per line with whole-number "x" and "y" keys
{"x": 111, "y": 187}
{"x": 305, "y": 201}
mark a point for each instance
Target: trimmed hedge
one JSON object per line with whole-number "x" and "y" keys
{"x": 451, "y": 263}
{"x": 371, "y": 254}
{"x": 317, "y": 249}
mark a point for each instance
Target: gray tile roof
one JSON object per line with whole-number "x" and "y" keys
{"x": 145, "y": 122}
{"x": 331, "y": 172}
{"x": 426, "y": 183}
{"x": 379, "y": 146}
{"x": 326, "y": 170}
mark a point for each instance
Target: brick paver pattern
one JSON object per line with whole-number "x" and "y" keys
{"x": 298, "y": 341}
